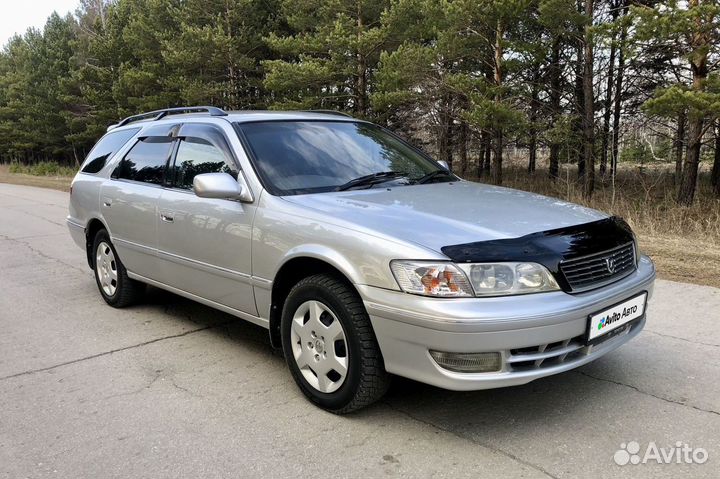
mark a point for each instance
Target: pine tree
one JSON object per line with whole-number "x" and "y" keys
{"x": 34, "y": 92}
{"x": 417, "y": 82}
{"x": 493, "y": 103}
{"x": 215, "y": 58}
{"x": 588, "y": 123}
{"x": 693, "y": 30}
{"x": 559, "y": 19}
{"x": 329, "y": 60}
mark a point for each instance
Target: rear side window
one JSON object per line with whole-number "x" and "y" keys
{"x": 145, "y": 161}
{"x": 196, "y": 156}
{"x": 105, "y": 148}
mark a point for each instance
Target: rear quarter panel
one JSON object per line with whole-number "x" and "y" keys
{"x": 85, "y": 199}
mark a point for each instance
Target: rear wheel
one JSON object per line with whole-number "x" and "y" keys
{"x": 330, "y": 346}
{"x": 116, "y": 288}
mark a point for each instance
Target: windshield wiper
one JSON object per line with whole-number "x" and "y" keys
{"x": 372, "y": 179}
{"x": 434, "y": 174}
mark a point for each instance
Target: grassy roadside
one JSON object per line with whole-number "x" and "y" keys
{"x": 56, "y": 182}
{"x": 683, "y": 242}
{"x": 696, "y": 262}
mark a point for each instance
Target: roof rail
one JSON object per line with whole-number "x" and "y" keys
{"x": 330, "y": 112}
{"x": 158, "y": 114}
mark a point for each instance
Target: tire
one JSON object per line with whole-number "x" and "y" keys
{"x": 116, "y": 288}
{"x": 311, "y": 348}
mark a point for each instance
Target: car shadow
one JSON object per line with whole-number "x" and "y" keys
{"x": 557, "y": 400}
{"x": 213, "y": 320}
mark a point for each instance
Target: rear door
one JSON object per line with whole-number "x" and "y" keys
{"x": 128, "y": 201}
{"x": 203, "y": 243}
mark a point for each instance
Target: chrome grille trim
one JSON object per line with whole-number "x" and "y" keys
{"x": 591, "y": 271}
{"x": 559, "y": 352}
{"x": 564, "y": 350}
{"x": 545, "y": 355}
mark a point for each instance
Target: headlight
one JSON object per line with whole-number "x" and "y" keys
{"x": 503, "y": 279}
{"x": 431, "y": 278}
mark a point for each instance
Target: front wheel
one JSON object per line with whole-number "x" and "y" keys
{"x": 330, "y": 346}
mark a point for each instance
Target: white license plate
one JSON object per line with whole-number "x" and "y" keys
{"x": 613, "y": 318}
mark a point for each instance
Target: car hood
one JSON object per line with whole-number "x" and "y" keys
{"x": 441, "y": 214}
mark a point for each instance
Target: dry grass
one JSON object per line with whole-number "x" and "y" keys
{"x": 61, "y": 183}
{"x": 684, "y": 242}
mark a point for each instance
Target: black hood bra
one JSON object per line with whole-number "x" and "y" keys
{"x": 547, "y": 248}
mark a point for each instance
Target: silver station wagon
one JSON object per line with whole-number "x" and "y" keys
{"x": 362, "y": 256}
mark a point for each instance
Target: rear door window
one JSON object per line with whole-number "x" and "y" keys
{"x": 196, "y": 156}
{"x": 105, "y": 149}
{"x": 146, "y": 160}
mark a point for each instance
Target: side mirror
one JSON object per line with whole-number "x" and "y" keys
{"x": 218, "y": 185}
{"x": 444, "y": 164}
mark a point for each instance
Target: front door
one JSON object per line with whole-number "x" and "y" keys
{"x": 203, "y": 243}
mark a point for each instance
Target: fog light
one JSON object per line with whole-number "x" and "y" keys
{"x": 467, "y": 362}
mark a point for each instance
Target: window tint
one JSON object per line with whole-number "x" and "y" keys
{"x": 105, "y": 148}
{"x": 296, "y": 157}
{"x": 196, "y": 156}
{"x": 145, "y": 161}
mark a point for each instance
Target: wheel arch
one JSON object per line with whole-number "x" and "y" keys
{"x": 293, "y": 270}
{"x": 93, "y": 226}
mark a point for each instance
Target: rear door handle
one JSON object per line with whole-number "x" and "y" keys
{"x": 166, "y": 217}
{"x": 107, "y": 202}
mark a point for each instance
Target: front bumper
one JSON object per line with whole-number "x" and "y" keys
{"x": 537, "y": 335}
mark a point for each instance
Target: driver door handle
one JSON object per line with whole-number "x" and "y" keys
{"x": 167, "y": 217}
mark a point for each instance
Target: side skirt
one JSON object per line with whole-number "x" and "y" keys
{"x": 247, "y": 317}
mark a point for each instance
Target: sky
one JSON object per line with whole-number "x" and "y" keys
{"x": 17, "y": 15}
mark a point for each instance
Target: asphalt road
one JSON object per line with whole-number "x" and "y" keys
{"x": 172, "y": 388}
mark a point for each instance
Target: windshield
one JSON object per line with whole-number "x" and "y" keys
{"x": 297, "y": 157}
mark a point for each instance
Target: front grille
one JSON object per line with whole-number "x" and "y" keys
{"x": 599, "y": 269}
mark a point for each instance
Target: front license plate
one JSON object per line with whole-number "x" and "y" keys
{"x": 611, "y": 319}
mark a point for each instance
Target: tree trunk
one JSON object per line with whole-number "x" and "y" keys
{"x": 497, "y": 157}
{"x": 481, "y": 158}
{"x": 532, "y": 146}
{"x": 679, "y": 145}
{"x": 362, "y": 90}
{"x": 498, "y": 133}
{"x": 232, "y": 100}
{"x": 688, "y": 181}
{"x": 589, "y": 100}
{"x": 487, "y": 155}
{"x": 579, "y": 121}
{"x": 444, "y": 137}
{"x": 607, "y": 107}
{"x": 698, "y": 64}
{"x": 618, "y": 96}
{"x": 555, "y": 85}
{"x": 715, "y": 176}
{"x": 463, "y": 143}
{"x": 534, "y": 110}
{"x": 362, "y": 86}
